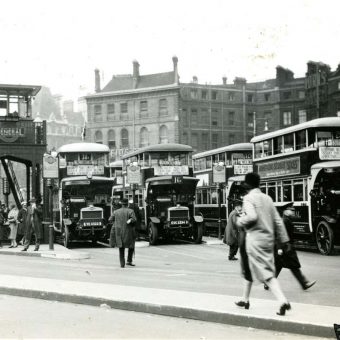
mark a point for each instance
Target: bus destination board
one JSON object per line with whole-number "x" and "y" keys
{"x": 283, "y": 167}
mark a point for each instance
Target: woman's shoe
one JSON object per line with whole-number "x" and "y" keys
{"x": 11, "y": 247}
{"x": 244, "y": 304}
{"x": 283, "y": 308}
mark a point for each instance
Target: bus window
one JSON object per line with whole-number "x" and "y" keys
{"x": 288, "y": 142}
{"x": 204, "y": 196}
{"x": 215, "y": 159}
{"x": 263, "y": 188}
{"x": 287, "y": 191}
{"x": 146, "y": 159}
{"x": 272, "y": 191}
{"x": 221, "y": 157}
{"x": 324, "y": 138}
{"x": 259, "y": 150}
{"x": 214, "y": 196}
{"x": 336, "y": 138}
{"x": 278, "y": 147}
{"x": 199, "y": 197}
{"x": 268, "y": 147}
{"x": 311, "y": 139}
{"x": 279, "y": 192}
{"x": 298, "y": 191}
{"x": 300, "y": 139}
{"x": 209, "y": 163}
{"x": 159, "y": 158}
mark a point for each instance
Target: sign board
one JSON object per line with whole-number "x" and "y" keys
{"x": 219, "y": 174}
{"x": 289, "y": 166}
{"x": 329, "y": 152}
{"x": 133, "y": 174}
{"x": 242, "y": 169}
{"x": 50, "y": 166}
{"x": 83, "y": 170}
{"x": 177, "y": 179}
{"x": 171, "y": 170}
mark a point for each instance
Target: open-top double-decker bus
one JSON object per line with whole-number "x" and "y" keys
{"x": 237, "y": 158}
{"x": 82, "y": 204}
{"x": 301, "y": 164}
{"x": 168, "y": 186}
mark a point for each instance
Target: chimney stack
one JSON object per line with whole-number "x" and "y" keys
{"x": 96, "y": 80}
{"x": 175, "y": 62}
{"x": 195, "y": 80}
{"x": 135, "y": 74}
{"x": 224, "y": 79}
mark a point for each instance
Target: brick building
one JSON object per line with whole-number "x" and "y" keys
{"x": 136, "y": 110}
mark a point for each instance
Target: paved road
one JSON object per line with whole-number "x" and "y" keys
{"x": 31, "y": 318}
{"x": 198, "y": 268}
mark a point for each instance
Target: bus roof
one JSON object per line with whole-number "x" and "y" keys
{"x": 82, "y": 178}
{"x": 160, "y": 147}
{"x": 320, "y": 122}
{"x": 326, "y": 165}
{"x": 232, "y": 147}
{"x": 168, "y": 180}
{"x": 83, "y": 147}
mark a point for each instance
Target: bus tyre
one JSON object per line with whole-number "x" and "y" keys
{"x": 198, "y": 233}
{"x": 324, "y": 238}
{"x": 66, "y": 236}
{"x": 153, "y": 234}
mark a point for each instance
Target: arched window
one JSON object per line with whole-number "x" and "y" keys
{"x": 124, "y": 138}
{"x": 163, "y": 135}
{"x": 111, "y": 137}
{"x": 144, "y": 137}
{"x": 98, "y": 137}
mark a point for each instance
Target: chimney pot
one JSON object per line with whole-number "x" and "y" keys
{"x": 224, "y": 79}
{"x": 194, "y": 79}
{"x": 97, "y": 80}
{"x": 175, "y": 62}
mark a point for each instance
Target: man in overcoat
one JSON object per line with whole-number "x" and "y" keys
{"x": 124, "y": 220}
{"x": 263, "y": 226}
{"x": 34, "y": 217}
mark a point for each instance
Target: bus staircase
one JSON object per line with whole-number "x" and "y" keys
{"x": 12, "y": 181}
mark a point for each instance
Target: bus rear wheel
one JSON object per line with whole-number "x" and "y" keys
{"x": 198, "y": 233}
{"x": 153, "y": 234}
{"x": 324, "y": 238}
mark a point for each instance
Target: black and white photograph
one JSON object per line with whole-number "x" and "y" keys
{"x": 169, "y": 169}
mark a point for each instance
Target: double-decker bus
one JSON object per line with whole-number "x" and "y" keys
{"x": 168, "y": 187}
{"x": 83, "y": 201}
{"x": 301, "y": 164}
{"x": 237, "y": 159}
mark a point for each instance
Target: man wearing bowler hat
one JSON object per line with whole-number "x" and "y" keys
{"x": 124, "y": 220}
{"x": 33, "y": 223}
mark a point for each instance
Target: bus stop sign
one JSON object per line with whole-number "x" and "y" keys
{"x": 219, "y": 173}
{"x": 50, "y": 166}
{"x": 133, "y": 174}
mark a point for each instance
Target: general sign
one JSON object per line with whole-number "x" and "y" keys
{"x": 329, "y": 152}
{"x": 50, "y": 166}
{"x": 289, "y": 166}
{"x": 219, "y": 174}
{"x": 170, "y": 170}
{"x": 242, "y": 169}
{"x": 81, "y": 170}
{"x": 133, "y": 174}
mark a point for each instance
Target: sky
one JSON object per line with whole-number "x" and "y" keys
{"x": 59, "y": 43}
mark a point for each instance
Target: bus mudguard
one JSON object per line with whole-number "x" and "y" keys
{"x": 329, "y": 219}
{"x": 198, "y": 218}
{"x": 67, "y": 221}
{"x": 155, "y": 220}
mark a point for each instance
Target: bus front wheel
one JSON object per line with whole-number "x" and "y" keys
{"x": 324, "y": 238}
{"x": 153, "y": 233}
{"x": 198, "y": 233}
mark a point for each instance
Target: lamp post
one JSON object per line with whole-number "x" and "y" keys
{"x": 219, "y": 177}
{"x": 49, "y": 184}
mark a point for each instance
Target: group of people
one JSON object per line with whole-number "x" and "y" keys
{"x": 22, "y": 224}
{"x": 265, "y": 242}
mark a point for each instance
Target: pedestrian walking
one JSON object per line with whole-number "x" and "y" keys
{"x": 33, "y": 224}
{"x": 22, "y": 223}
{"x": 287, "y": 257}
{"x": 2, "y": 227}
{"x": 124, "y": 220}
{"x": 13, "y": 225}
{"x": 263, "y": 224}
{"x": 231, "y": 233}
{"x": 115, "y": 206}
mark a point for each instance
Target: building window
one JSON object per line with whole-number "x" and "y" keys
{"x": 287, "y": 95}
{"x": 214, "y": 117}
{"x": 250, "y": 98}
{"x": 205, "y": 141}
{"x": 193, "y": 116}
{"x": 185, "y": 117}
{"x": 204, "y": 94}
{"x": 194, "y": 140}
{"x": 267, "y": 97}
{"x": 302, "y": 116}
{"x": 267, "y": 120}
{"x": 163, "y": 107}
{"x": 250, "y": 119}
{"x": 231, "y": 139}
{"x": 110, "y": 109}
{"x": 231, "y": 96}
{"x": 98, "y": 137}
{"x": 97, "y": 109}
{"x": 193, "y": 93}
{"x": 213, "y": 95}
{"x": 287, "y": 118}
{"x": 124, "y": 138}
{"x": 214, "y": 140}
{"x": 143, "y": 109}
{"x": 302, "y": 94}
{"x": 231, "y": 118}
{"x": 144, "y": 137}
{"x": 185, "y": 138}
{"x": 204, "y": 119}
{"x": 123, "y": 110}
{"x": 163, "y": 135}
{"x": 111, "y": 136}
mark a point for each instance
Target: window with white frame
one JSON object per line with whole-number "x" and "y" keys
{"x": 302, "y": 116}
{"x": 287, "y": 118}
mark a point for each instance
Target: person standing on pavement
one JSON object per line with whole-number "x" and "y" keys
{"x": 287, "y": 257}
{"x": 263, "y": 225}
{"x": 22, "y": 223}
{"x": 231, "y": 233}
{"x": 2, "y": 227}
{"x": 33, "y": 223}
{"x": 124, "y": 220}
{"x": 115, "y": 206}
{"x": 13, "y": 225}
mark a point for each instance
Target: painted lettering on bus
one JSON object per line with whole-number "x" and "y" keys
{"x": 289, "y": 166}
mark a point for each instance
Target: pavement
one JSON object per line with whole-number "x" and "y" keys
{"x": 306, "y": 319}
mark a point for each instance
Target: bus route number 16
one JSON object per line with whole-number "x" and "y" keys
{"x": 177, "y": 179}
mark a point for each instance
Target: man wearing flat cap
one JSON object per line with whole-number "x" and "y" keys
{"x": 124, "y": 220}
{"x": 33, "y": 223}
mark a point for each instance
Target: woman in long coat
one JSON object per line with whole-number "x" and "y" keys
{"x": 13, "y": 225}
{"x": 33, "y": 223}
{"x": 22, "y": 223}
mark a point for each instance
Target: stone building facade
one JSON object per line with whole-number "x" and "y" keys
{"x": 135, "y": 110}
